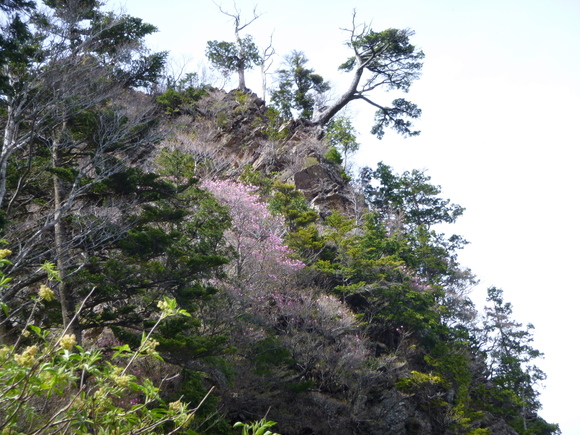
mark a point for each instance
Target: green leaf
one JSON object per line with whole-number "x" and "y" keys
{"x": 36, "y": 330}
{"x": 51, "y": 271}
{"x": 183, "y": 313}
{"x": 120, "y": 350}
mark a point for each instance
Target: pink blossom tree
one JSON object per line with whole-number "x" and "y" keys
{"x": 318, "y": 330}
{"x": 255, "y": 234}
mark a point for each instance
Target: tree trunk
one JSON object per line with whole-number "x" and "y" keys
{"x": 241, "y": 77}
{"x": 263, "y": 74}
{"x": 66, "y": 294}
{"x": 347, "y": 97}
{"x": 10, "y": 132}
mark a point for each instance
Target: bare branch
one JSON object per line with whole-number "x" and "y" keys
{"x": 237, "y": 16}
{"x": 267, "y": 54}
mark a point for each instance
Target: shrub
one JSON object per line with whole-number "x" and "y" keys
{"x": 48, "y": 384}
{"x": 332, "y": 155}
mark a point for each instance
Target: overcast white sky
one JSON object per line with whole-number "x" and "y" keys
{"x": 500, "y": 95}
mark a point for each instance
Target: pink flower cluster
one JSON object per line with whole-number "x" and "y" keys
{"x": 256, "y": 234}
{"x": 316, "y": 327}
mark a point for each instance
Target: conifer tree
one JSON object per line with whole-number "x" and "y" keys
{"x": 299, "y": 88}
{"x": 69, "y": 137}
{"x": 511, "y": 362}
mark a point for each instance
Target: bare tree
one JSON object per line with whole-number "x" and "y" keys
{"x": 267, "y": 62}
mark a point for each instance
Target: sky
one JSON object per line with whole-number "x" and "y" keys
{"x": 500, "y": 94}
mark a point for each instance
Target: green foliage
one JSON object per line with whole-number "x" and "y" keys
{"x": 417, "y": 381}
{"x": 341, "y": 135}
{"x": 17, "y": 45}
{"x": 113, "y": 34}
{"x": 479, "y": 431}
{"x": 182, "y": 95}
{"x": 509, "y": 350}
{"x": 426, "y": 388}
{"x": 47, "y": 373}
{"x": 367, "y": 270}
{"x": 343, "y": 174}
{"x": 410, "y": 194}
{"x": 252, "y": 177}
{"x": 51, "y": 272}
{"x": 298, "y": 88}
{"x": 256, "y": 428}
{"x": 176, "y": 165}
{"x": 308, "y": 243}
{"x": 119, "y": 31}
{"x": 389, "y": 278}
{"x": 291, "y": 203}
{"x": 73, "y": 143}
{"x": 193, "y": 389}
{"x": 52, "y": 385}
{"x": 333, "y": 156}
{"x": 241, "y": 97}
{"x": 274, "y": 129}
{"x": 174, "y": 248}
{"x": 388, "y": 61}
{"x": 380, "y": 302}
{"x": 536, "y": 426}
{"x": 229, "y": 57}
{"x": 393, "y": 62}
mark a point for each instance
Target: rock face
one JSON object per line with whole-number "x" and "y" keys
{"x": 500, "y": 427}
{"x": 392, "y": 413}
{"x": 324, "y": 188}
{"x": 233, "y": 131}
